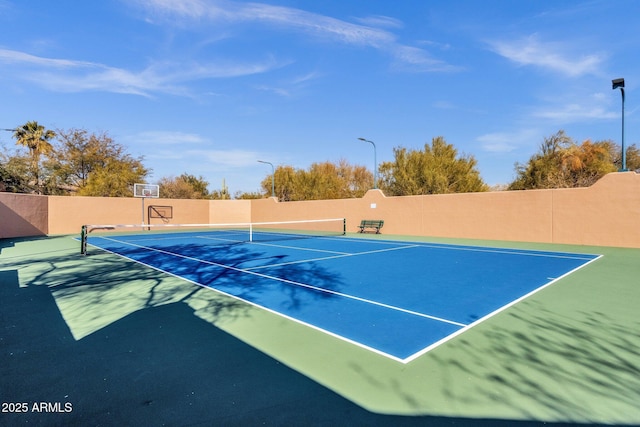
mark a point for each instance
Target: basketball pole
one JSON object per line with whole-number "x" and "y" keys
{"x": 143, "y": 191}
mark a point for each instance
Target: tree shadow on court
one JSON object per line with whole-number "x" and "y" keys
{"x": 159, "y": 366}
{"x": 584, "y": 367}
{"x": 96, "y": 290}
{"x": 223, "y": 267}
{"x": 153, "y": 361}
{"x": 5, "y": 243}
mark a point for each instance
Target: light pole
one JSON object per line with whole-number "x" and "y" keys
{"x": 273, "y": 177}
{"x": 375, "y": 162}
{"x": 9, "y": 130}
{"x": 619, "y": 83}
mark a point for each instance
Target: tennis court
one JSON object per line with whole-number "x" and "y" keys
{"x": 398, "y": 299}
{"x": 328, "y": 330}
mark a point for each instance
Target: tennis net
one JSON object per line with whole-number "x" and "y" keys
{"x": 229, "y": 233}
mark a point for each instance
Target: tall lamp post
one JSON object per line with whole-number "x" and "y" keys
{"x": 9, "y": 130}
{"x": 273, "y": 178}
{"x": 619, "y": 83}
{"x": 375, "y": 162}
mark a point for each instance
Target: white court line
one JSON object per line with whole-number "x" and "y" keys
{"x": 261, "y": 307}
{"x": 523, "y": 252}
{"x": 331, "y": 257}
{"x": 177, "y": 237}
{"x": 447, "y": 246}
{"x": 463, "y": 327}
{"x": 493, "y": 313}
{"x": 291, "y": 282}
{"x": 299, "y": 248}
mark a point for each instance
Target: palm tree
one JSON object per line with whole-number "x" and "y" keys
{"x": 36, "y": 138}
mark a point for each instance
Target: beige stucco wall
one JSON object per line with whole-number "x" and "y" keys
{"x": 68, "y": 214}
{"x": 607, "y": 213}
{"x": 229, "y": 211}
{"x": 520, "y": 216}
{"x": 23, "y": 215}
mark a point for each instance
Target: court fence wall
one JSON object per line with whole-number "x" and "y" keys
{"x": 23, "y": 215}
{"x": 605, "y": 214}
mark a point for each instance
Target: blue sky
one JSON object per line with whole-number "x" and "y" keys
{"x": 209, "y": 87}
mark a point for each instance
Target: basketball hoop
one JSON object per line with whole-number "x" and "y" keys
{"x": 146, "y": 190}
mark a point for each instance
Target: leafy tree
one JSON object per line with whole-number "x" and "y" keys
{"x": 361, "y": 181}
{"x": 561, "y": 163}
{"x": 76, "y": 156}
{"x": 36, "y": 139}
{"x": 115, "y": 178}
{"x": 14, "y": 172}
{"x": 438, "y": 169}
{"x": 329, "y": 181}
{"x": 582, "y": 165}
{"x": 184, "y": 187}
{"x": 222, "y": 194}
{"x": 633, "y": 156}
{"x": 325, "y": 180}
{"x": 240, "y": 195}
{"x": 92, "y": 165}
{"x": 198, "y": 184}
{"x": 285, "y": 183}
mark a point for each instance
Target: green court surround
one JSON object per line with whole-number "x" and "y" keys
{"x": 125, "y": 343}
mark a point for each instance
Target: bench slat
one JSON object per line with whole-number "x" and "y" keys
{"x": 371, "y": 223}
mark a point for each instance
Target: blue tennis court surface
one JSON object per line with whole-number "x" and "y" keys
{"x": 399, "y": 299}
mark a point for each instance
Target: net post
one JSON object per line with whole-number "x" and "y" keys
{"x": 344, "y": 226}
{"x": 250, "y": 232}
{"x": 83, "y": 240}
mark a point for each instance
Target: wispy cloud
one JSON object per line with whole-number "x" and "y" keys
{"x": 290, "y": 87}
{"x": 186, "y": 12}
{"x": 15, "y": 57}
{"x": 576, "y": 108}
{"x": 168, "y": 138}
{"x": 65, "y": 75}
{"x": 220, "y": 159}
{"x": 380, "y": 21}
{"x": 575, "y": 113}
{"x": 190, "y": 147}
{"x": 416, "y": 59}
{"x": 174, "y": 77}
{"x": 369, "y": 32}
{"x": 229, "y": 158}
{"x": 555, "y": 56}
{"x": 505, "y": 142}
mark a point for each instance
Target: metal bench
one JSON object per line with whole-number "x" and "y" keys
{"x": 375, "y": 224}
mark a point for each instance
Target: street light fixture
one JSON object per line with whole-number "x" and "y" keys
{"x": 375, "y": 162}
{"x": 615, "y": 84}
{"x": 273, "y": 179}
{"x": 9, "y": 130}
